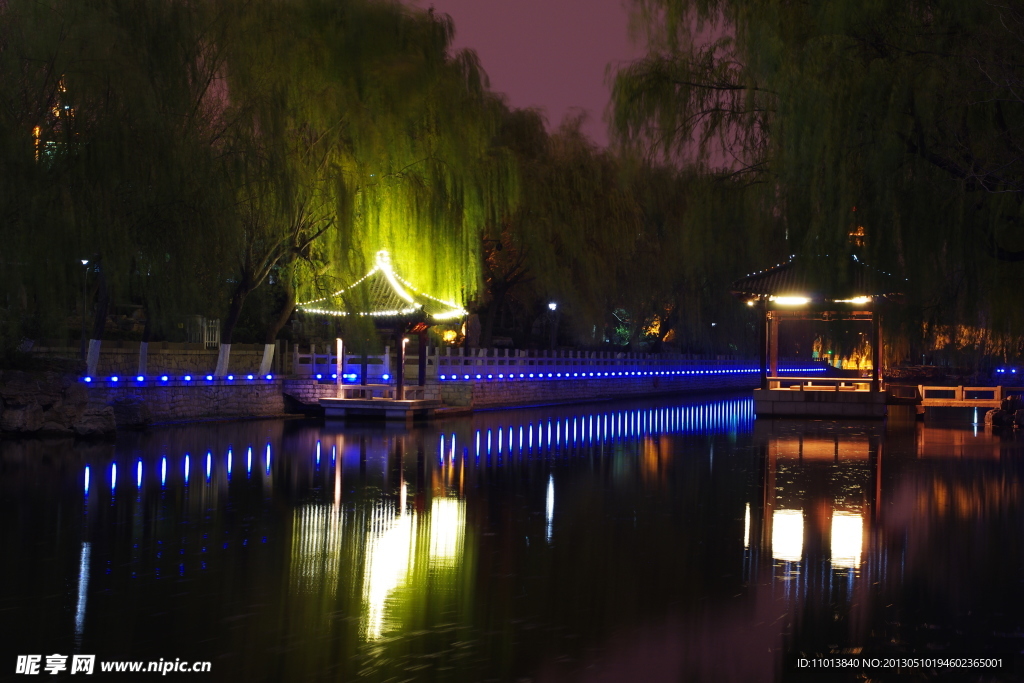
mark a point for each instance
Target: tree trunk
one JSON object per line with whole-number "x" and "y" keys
{"x": 497, "y": 301}
{"x": 235, "y": 311}
{"x": 147, "y": 330}
{"x": 277, "y": 323}
{"x": 99, "y": 321}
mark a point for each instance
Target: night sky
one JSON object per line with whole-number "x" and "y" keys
{"x": 548, "y": 54}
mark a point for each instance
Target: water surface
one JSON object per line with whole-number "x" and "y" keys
{"x": 657, "y": 541}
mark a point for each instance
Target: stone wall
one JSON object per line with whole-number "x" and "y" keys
{"x": 54, "y": 403}
{"x": 501, "y": 393}
{"x": 122, "y": 358}
{"x": 135, "y": 406}
{"x": 51, "y": 403}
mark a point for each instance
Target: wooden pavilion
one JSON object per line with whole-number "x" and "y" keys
{"x": 825, "y": 289}
{"x": 395, "y": 305}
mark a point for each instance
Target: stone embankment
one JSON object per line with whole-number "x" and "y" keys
{"x": 51, "y": 403}
{"x": 56, "y": 403}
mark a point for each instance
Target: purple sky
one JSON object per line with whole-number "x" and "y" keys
{"x": 548, "y": 54}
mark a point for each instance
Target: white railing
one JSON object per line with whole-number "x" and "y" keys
{"x": 456, "y": 363}
{"x": 205, "y": 331}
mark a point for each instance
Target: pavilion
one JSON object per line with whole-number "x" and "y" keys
{"x": 827, "y": 289}
{"x": 382, "y": 294}
{"x": 389, "y": 300}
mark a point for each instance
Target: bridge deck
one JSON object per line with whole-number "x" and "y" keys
{"x": 952, "y": 397}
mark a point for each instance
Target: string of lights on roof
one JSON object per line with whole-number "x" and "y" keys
{"x": 399, "y": 286}
{"x": 802, "y": 300}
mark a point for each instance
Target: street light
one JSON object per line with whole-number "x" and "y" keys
{"x": 85, "y": 279}
{"x": 553, "y": 323}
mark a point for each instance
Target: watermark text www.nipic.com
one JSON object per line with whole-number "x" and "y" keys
{"x": 31, "y": 665}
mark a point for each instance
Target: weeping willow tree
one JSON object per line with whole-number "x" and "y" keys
{"x": 611, "y": 239}
{"x": 565, "y": 242}
{"x": 106, "y": 155}
{"x": 889, "y": 129}
{"x": 357, "y": 130}
{"x": 190, "y": 152}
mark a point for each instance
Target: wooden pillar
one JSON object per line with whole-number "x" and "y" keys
{"x": 773, "y": 345}
{"x": 339, "y": 367}
{"x": 422, "y": 358}
{"x": 763, "y": 345}
{"x": 400, "y": 370}
{"x": 876, "y": 351}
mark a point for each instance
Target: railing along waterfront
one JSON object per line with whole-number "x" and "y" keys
{"x": 450, "y": 364}
{"x": 938, "y": 396}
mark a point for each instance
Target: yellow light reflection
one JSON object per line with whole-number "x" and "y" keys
{"x": 447, "y": 529}
{"x": 847, "y": 539}
{"x": 788, "y": 535}
{"x": 746, "y": 527}
{"x": 389, "y": 559}
{"x": 316, "y": 549}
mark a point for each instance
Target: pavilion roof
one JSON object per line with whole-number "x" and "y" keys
{"x": 820, "y": 279}
{"x": 382, "y": 293}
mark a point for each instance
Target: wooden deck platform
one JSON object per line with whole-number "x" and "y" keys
{"x": 819, "y": 397}
{"x": 926, "y": 396}
{"x": 379, "y": 408}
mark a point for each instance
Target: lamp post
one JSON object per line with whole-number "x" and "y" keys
{"x": 553, "y": 314}
{"x": 85, "y": 280}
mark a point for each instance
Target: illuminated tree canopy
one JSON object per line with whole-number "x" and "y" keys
{"x": 192, "y": 152}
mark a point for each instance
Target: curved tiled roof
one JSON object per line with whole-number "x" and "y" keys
{"x": 382, "y": 293}
{"x": 820, "y": 278}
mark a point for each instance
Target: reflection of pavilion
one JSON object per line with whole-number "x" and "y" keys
{"x": 819, "y": 489}
{"x": 809, "y": 533}
{"x": 394, "y": 548}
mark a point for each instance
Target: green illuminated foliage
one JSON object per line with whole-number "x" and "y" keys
{"x": 903, "y": 118}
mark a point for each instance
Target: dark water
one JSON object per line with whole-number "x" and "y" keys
{"x": 657, "y": 541}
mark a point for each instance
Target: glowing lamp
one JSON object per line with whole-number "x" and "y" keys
{"x": 552, "y": 306}
{"x": 791, "y": 300}
{"x": 270, "y": 377}
{"x": 319, "y": 376}
{"x": 209, "y": 378}
{"x": 248, "y": 376}
{"x": 164, "y": 378}
{"x": 140, "y": 378}
{"x": 87, "y": 379}
{"x": 114, "y": 378}
{"x": 231, "y": 377}
{"x": 386, "y": 377}
{"x": 188, "y": 378}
